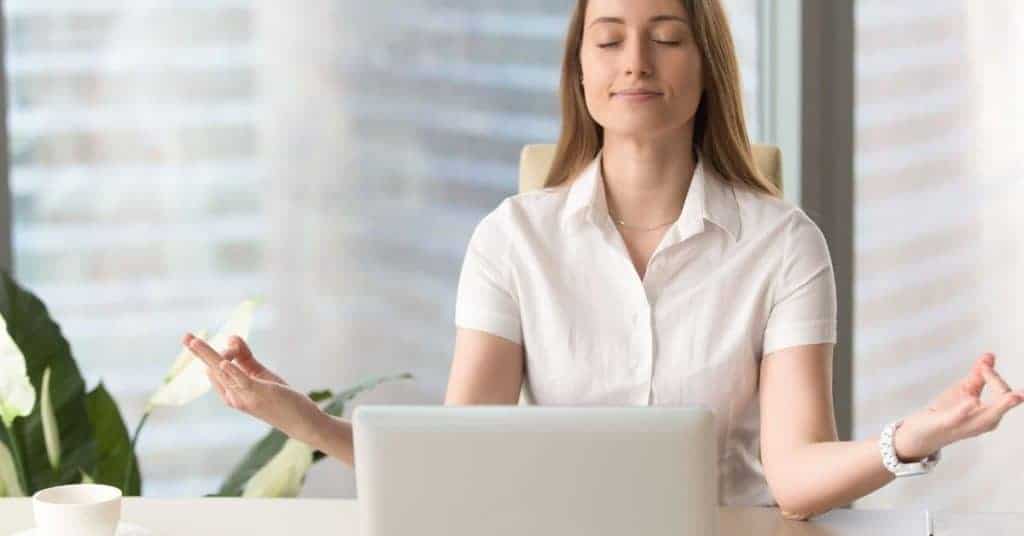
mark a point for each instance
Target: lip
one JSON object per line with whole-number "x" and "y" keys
{"x": 636, "y": 95}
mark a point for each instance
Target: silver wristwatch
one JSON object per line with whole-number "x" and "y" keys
{"x": 893, "y": 464}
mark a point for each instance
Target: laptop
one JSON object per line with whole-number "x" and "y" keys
{"x": 535, "y": 470}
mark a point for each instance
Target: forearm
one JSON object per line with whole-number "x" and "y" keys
{"x": 815, "y": 478}
{"x": 330, "y": 435}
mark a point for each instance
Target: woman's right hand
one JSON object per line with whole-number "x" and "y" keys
{"x": 245, "y": 384}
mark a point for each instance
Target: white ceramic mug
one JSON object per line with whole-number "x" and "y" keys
{"x": 79, "y": 509}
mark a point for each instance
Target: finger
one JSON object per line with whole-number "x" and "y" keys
{"x": 215, "y": 382}
{"x": 240, "y": 379}
{"x": 224, "y": 388}
{"x": 975, "y": 380}
{"x": 960, "y": 413}
{"x": 250, "y": 364}
{"x": 243, "y": 356}
{"x": 205, "y": 352}
{"x": 995, "y": 380}
{"x": 230, "y": 354}
{"x": 988, "y": 419}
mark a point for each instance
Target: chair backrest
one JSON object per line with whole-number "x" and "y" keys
{"x": 535, "y": 161}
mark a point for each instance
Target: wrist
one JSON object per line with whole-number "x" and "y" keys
{"x": 315, "y": 426}
{"x": 910, "y": 444}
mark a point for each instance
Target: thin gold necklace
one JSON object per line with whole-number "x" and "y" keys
{"x": 634, "y": 228}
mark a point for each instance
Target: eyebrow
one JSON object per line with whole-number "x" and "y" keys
{"x": 658, "y": 18}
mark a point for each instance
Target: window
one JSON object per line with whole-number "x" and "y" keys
{"x": 172, "y": 158}
{"x": 938, "y": 239}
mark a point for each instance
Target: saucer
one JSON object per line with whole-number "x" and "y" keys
{"x": 123, "y": 529}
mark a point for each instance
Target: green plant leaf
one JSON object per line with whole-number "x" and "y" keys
{"x": 51, "y": 433}
{"x": 17, "y": 396}
{"x": 284, "y": 474}
{"x": 9, "y": 485}
{"x": 86, "y": 479}
{"x": 337, "y": 406}
{"x": 258, "y": 456}
{"x": 40, "y": 339}
{"x": 320, "y": 396}
{"x": 113, "y": 443}
{"x": 281, "y": 475}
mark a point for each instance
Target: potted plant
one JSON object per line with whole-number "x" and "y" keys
{"x": 54, "y": 432}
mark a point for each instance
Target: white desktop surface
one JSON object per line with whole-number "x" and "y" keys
{"x": 218, "y": 516}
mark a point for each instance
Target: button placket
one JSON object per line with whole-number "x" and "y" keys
{"x": 642, "y": 361}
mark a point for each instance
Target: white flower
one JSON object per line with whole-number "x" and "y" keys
{"x": 282, "y": 475}
{"x": 51, "y": 432}
{"x": 9, "y": 486}
{"x": 17, "y": 396}
{"x": 187, "y": 379}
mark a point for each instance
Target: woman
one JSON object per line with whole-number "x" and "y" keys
{"x": 658, "y": 267}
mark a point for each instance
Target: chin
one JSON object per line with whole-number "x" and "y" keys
{"x": 640, "y": 129}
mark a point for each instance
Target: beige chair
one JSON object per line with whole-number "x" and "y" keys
{"x": 535, "y": 161}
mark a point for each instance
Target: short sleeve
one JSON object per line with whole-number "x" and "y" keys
{"x": 804, "y": 304}
{"x": 486, "y": 300}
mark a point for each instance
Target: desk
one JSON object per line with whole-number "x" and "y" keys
{"x": 256, "y": 517}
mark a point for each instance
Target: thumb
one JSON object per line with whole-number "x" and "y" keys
{"x": 243, "y": 357}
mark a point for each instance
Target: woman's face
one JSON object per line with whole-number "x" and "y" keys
{"x": 640, "y": 45}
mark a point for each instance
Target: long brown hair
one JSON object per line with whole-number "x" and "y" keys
{"x": 719, "y": 131}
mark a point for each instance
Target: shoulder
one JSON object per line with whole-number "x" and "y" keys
{"x": 782, "y": 222}
{"x": 526, "y": 213}
{"x": 529, "y": 220}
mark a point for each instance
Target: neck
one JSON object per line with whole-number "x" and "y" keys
{"x": 646, "y": 180}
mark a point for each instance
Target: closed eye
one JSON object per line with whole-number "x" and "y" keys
{"x": 616, "y": 43}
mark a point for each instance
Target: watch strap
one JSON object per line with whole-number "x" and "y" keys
{"x": 893, "y": 463}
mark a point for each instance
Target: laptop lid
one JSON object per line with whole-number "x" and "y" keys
{"x": 533, "y": 470}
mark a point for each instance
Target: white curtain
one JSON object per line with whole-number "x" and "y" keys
{"x": 939, "y": 241}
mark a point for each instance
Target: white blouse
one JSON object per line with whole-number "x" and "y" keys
{"x": 738, "y": 276}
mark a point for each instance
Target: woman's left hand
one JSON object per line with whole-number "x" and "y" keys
{"x": 958, "y": 413}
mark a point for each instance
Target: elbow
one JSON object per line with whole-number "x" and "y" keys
{"x": 796, "y": 506}
{"x": 794, "y": 514}
{"x": 794, "y": 503}
{"x": 796, "y": 496}
{"x": 799, "y": 510}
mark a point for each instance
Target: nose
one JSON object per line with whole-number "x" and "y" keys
{"x": 638, "y": 59}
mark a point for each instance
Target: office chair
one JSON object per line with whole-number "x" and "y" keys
{"x": 535, "y": 161}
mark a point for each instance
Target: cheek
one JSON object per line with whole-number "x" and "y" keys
{"x": 595, "y": 93}
{"x": 596, "y": 84}
{"x": 690, "y": 72}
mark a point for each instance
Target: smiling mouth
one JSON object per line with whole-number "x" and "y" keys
{"x": 636, "y": 96}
